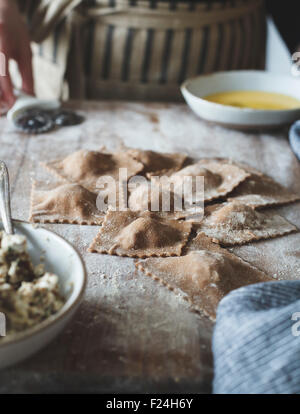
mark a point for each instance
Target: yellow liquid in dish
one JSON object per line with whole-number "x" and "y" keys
{"x": 255, "y": 100}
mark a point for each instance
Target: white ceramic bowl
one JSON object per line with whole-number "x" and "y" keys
{"x": 62, "y": 259}
{"x": 195, "y": 89}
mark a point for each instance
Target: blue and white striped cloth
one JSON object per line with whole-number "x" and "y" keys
{"x": 294, "y": 137}
{"x": 256, "y": 341}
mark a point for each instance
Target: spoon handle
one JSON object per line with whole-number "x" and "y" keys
{"x": 5, "y": 210}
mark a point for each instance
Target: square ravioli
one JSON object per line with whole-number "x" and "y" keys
{"x": 158, "y": 163}
{"x": 260, "y": 190}
{"x": 140, "y": 234}
{"x": 64, "y": 203}
{"x": 220, "y": 178}
{"x": 164, "y": 202}
{"x": 234, "y": 223}
{"x": 86, "y": 167}
{"x": 203, "y": 276}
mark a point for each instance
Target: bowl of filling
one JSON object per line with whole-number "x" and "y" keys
{"x": 244, "y": 99}
{"x": 42, "y": 281}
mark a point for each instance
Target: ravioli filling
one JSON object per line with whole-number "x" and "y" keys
{"x": 28, "y": 294}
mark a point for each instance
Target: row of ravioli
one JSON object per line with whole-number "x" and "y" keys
{"x": 184, "y": 255}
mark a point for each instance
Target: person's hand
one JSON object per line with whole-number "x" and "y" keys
{"x": 14, "y": 44}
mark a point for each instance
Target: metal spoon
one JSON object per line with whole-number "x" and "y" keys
{"x": 5, "y": 210}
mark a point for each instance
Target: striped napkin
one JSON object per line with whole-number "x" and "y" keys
{"x": 256, "y": 341}
{"x": 294, "y": 137}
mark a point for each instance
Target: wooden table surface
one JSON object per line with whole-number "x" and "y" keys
{"x": 131, "y": 334}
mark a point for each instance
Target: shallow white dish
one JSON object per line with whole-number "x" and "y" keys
{"x": 62, "y": 259}
{"x": 195, "y": 89}
{"x": 24, "y": 102}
